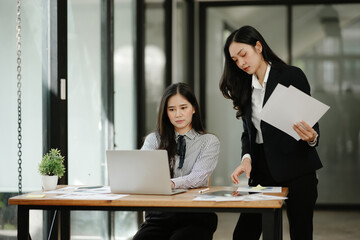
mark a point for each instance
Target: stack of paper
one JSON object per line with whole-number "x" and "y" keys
{"x": 250, "y": 197}
{"x": 260, "y": 189}
{"x": 287, "y": 106}
{"x": 88, "y": 193}
{"x": 258, "y": 195}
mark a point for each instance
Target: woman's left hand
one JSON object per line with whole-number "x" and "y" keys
{"x": 305, "y": 132}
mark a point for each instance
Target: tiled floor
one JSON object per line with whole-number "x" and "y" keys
{"x": 328, "y": 225}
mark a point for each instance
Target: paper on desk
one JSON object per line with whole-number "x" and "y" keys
{"x": 261, "y": 189}
{"x": 287, "y": 106}
{"x": 91, "y": 196}
{"x": 262, "y": 197}
{"x": 253, "y": 197}
{"x": 80, "y": 190}
{"x": 86, "y": 192}
{"x": 247, "y": 198}
{"x": 62, "y": 190}
{"x": 214, "y": 198}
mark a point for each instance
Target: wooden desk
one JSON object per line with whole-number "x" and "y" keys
{"x": 270, "y": 209}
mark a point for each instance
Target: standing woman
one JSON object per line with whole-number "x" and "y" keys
{"x": 192, "y": 154}
{"x": 270, "y": 157}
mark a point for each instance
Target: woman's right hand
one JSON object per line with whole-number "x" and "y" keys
{"x": 245, "y": 166}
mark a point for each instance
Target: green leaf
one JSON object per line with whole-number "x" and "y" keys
{"x": 52, "y": 164}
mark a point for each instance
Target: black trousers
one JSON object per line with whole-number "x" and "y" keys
{"x": 178, "y": 226}
{"x": 299, "y": 205}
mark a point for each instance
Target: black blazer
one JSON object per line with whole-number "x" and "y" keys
{"x": 287, "y": 158}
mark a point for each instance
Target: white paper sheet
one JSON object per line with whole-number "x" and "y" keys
{"x": 247, "y": 198}
{"x": 82, "y": 189}
{"x": 91, "y": 196}
{"x": 262, "y": 197}
{"x": 86, "y": 192}
{"x": 287, "y": 106}
{"x": 265, "y": 189}
{"x": 214, "y": 198}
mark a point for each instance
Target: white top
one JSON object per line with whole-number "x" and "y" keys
{"x": 257, "y": 99}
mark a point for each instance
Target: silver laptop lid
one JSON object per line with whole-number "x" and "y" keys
{"x": 139, "y": 171}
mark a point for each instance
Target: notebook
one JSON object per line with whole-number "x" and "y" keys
{"x": 139, "y": 172}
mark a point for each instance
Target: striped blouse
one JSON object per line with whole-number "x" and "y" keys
{"x": 201, "y": 157}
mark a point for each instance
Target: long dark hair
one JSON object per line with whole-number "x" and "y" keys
{"x": 235, "y": 84}
{"x": 165, "y": 128}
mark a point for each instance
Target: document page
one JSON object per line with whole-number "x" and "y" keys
{"x": 287, "y": 106}
{"x": 260, "y": 188}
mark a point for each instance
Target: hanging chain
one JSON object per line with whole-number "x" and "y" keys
{"x": 18, "y": 36}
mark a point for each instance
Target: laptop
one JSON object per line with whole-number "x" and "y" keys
{"x": 139, "y": 172}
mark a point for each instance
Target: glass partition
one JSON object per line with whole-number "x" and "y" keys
{"x": 125, "y": 95}
{"x": 125, "y": 223}
{"x": 86, "y": 124}
{"x": 180, "y": 42}
{"x": 154, "y": 59}
{"x": 87, "y": 119}
{"x": 326, "y": 45}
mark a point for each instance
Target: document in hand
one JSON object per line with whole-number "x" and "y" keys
{"x": 287, "y": 106}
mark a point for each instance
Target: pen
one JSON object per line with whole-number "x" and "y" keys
{"x": 204, "y": 190}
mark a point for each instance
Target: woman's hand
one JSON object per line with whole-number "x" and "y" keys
{"x": 305, "y": 132}
{"x": 172, "y": 184}
{"x": 245, "y": 166}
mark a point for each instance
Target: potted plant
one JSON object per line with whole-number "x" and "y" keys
{"x": 51, "y": 168}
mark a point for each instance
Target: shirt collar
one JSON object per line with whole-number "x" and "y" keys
{"x": 255, "y": 81}
{"x": 191, "y": 134}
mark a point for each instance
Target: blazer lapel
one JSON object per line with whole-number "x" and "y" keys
{"x": 271, "y": 83}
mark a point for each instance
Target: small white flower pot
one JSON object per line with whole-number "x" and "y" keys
{"x": 49, "y": 182}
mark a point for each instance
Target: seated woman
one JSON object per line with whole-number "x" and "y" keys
{"x": 192, "y": 154}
